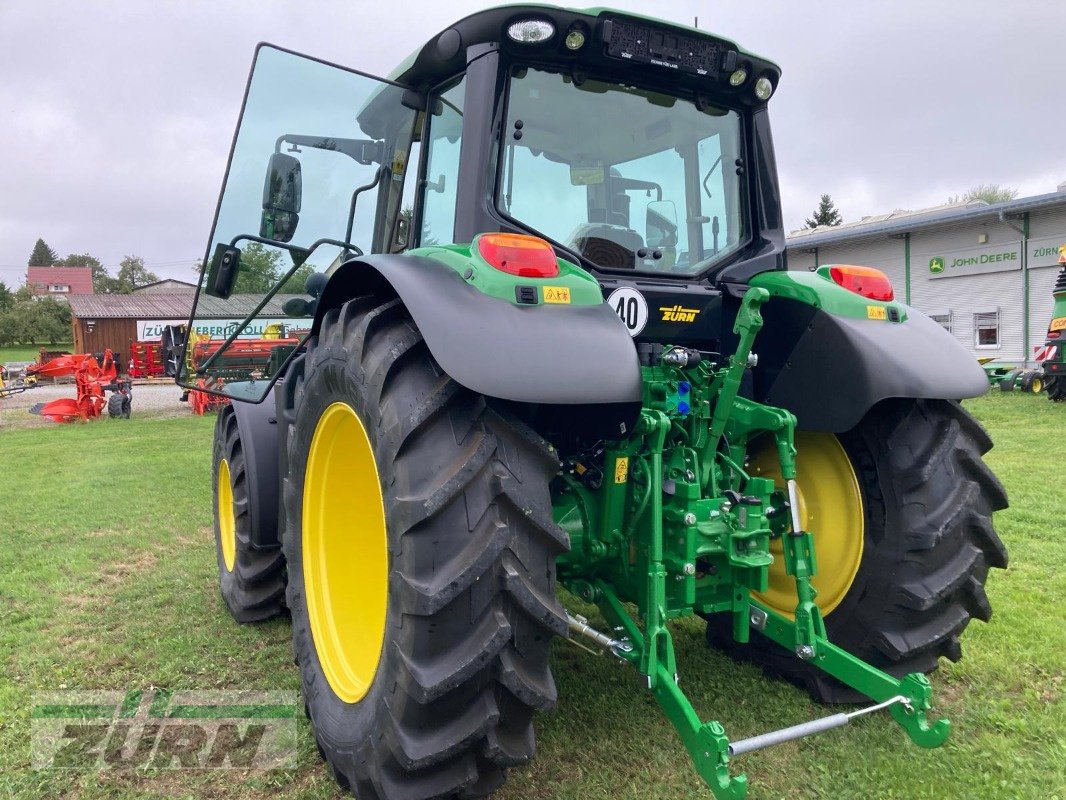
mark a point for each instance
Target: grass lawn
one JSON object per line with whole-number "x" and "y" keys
{"x": 108, "y": 581}
{"x": 29, "y": 352}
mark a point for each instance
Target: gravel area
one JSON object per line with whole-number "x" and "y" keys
{"x": 156, "y": 399}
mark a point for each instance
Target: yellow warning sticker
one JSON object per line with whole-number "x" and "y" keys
{"x": 876, "y": 312}
{"x": 1058, "y": 324}
{"x": 556, "y": 294}
{"x": 621, "y": 469}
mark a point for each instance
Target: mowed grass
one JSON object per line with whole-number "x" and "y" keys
{"x": 30, "y": 352}
{"x": 108, "y": 581}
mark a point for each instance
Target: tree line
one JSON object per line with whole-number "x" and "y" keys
{"x": 826, "y": 214}
{"x": 26, "y": 319}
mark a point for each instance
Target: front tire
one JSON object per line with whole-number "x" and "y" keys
{"x": 252, "y": 582}
{"x": 927, "y": 500}
{"x": 431, "y": 692}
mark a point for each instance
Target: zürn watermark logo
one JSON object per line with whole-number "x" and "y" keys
{"x": 98, "y": 730}
{"x": 936, "y": 264}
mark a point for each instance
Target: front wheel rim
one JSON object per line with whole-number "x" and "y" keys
{"x": 227, "y": 523}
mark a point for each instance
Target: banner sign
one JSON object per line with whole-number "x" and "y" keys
{"x": 151, "y": 329}
{"x": 1044, "y": 252}
{"x": 975, "y": 260}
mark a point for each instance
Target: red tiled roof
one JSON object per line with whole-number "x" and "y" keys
{"x": 79, "y": 279}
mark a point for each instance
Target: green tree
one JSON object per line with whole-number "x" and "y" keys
{"x": 132, "y": 273}
{"x": 260, "y": 269}
{"x": 30, "y": 321}
{"x": 7, "y": 297}
{"x": 103, "y": 282}
{"x": 991, "y": 193}
{"x": 43, "y": 255}
{"x": 825, "y": 214}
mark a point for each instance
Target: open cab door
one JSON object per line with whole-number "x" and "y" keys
{"x": 315, "y": 176}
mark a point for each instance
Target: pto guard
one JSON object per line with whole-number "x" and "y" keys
{"x": 558, "y": 354}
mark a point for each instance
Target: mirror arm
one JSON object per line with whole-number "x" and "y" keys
{"x": 269, "y": 295}
{"x": 355, "y": 198}
{"x": 365, "y": 151}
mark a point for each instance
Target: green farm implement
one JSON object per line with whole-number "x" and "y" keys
{"x": 554, "y": 345}
{"x": 1054, "y": 354}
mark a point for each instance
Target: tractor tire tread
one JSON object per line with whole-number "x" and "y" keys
{"x": 254, "y": 591}
{"x": 472, "y": 585}
{"x": 929, "y": 545}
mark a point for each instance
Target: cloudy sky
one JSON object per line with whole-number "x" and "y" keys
{"x": 116, "y": 117}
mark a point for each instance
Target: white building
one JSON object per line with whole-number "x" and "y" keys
{"x": 984, "y": 272}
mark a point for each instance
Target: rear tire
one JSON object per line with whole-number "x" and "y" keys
{"x": 471, "y": 607}
{"x": 1009, "y": 380}
{"x": 1056, "y": 389}
{"x": 1031, "y": 381}
{"x": 252, "y": 582}
{"x": 115, "y": 406}
{"x": 929, "y": 542}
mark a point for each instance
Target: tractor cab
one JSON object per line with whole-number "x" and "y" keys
{"x": 637, "y": 149}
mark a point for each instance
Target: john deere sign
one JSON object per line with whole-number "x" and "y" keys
{"x": 976, "y": 260}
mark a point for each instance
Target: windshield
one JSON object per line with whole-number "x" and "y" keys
{"x": 628, "y": 178}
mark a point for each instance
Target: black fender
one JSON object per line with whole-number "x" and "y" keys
{"x": 555, "y": 354}
{"x": 257, "y": 425}
{"x": 830, "y": 370}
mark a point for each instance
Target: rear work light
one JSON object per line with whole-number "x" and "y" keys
{"x": 518, "y": 254}
{"x": 867, "y": 281}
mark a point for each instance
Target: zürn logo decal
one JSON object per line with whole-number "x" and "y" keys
{"x": 936, "y": 264}
{"x": 679, "y": 314}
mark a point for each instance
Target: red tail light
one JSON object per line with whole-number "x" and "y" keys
{"x": 867, "y": 281}
{"x": 1054, "y": 334}
{"x": 518, "y": 254}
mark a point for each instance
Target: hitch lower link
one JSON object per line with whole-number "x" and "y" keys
{"x": 907, "y": 699}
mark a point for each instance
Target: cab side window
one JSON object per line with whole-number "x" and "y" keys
{"x": 442, "y": 166}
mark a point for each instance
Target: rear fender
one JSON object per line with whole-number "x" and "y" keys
{"x": 542, "y": 353}
{"x": 829, "y": 355}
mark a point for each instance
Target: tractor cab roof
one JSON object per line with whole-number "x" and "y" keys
{"x": 613, "y": 44}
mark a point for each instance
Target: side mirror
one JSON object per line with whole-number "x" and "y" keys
{"x": 222, "y": 271}
{"x": 278, "y": 225}
{"x": 282, "y": 194}
{"x": 661, "y": 224}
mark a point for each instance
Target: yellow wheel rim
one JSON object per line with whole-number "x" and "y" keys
{"x": 1038, "y": 386}
{"x": 227, "y": 523}
{"x": 345, "y": 552}
{"x": 830, "y": 507}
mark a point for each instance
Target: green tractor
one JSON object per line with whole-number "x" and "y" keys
{"x": 550, "y": 342}
{"x": 1054, "y": 360}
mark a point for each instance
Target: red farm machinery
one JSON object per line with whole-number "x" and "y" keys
{"x": 94, "y": 375}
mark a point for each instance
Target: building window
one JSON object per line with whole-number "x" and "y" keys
{"x": 943, "y": 320}
{"x": 986, "y": 329}
{"x": 57, "y": 287}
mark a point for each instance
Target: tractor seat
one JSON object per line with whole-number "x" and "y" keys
{"x": 612, "y": 246}
{"x": 605, "y": 253}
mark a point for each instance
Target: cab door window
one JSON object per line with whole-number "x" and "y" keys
{"x": 315, "y": 175}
